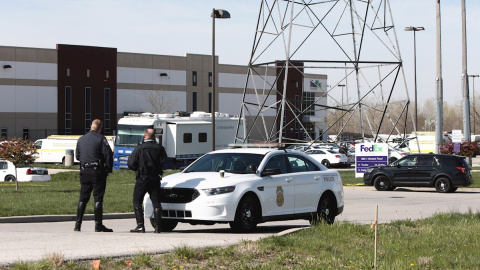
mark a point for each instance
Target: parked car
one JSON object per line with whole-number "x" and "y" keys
{"x": 24, "y": 173}
{"x": 328, "y": 158}
{"x": 444, "y": 172}
{"x": 247, "y": 186}
{"x": 395, "y": 154}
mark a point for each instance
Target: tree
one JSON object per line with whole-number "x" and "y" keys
{"x": 160, "y": 101}
{"x": 19, "y": 152}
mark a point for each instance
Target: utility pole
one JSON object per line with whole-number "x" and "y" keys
{"x": 474, "y": 103}
{"x": 467, "y": 135}
{"x": 439, "y": 84}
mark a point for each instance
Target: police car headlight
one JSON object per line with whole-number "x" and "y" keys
{"x": 217, "y": 191}
{"x": 370, "y": 169}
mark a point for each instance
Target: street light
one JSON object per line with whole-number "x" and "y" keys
{"x": 474, "y": 111}
{"x": 216, "y": 14}
{"x": 415, "y": 29}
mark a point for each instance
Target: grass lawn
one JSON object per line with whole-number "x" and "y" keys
{"x": 444, "y": 241}
{"x": 60, "y": 195}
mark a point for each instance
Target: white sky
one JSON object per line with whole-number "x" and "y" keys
{"x": 184, "y": 26}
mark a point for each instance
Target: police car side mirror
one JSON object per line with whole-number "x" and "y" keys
{"x": 271, "y": 171}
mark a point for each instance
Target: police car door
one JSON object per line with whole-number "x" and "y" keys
{"x": 308, "y": 183}
{"x": 278, "y": 189}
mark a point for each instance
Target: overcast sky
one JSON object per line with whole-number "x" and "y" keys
{"x": 184, "y": 26}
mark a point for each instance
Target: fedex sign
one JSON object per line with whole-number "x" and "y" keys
{"x": 372, "y": 148}
{"x": 369, "y": 154}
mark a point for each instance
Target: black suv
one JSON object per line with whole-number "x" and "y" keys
{"x": 444, "y": 172}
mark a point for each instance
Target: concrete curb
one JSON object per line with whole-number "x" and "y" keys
{"x": 60, "y": 218}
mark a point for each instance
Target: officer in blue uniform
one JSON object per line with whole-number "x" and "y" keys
{"x": 96, "y": 162}
{"x": 147, "y": 161}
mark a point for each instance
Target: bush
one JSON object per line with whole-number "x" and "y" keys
{"x": 467, "y": 149}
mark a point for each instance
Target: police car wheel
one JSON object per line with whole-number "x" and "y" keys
{"x": 9, "y": 178}
{"x": 381, "y": 183}
{"x": 246, "y": 216}
{"x": 167, "y": 225}
{"x": 326, "y": 210}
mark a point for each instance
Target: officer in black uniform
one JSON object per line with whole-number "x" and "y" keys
{"x": 96, "y": 162}
{"x": 147, "y": 161}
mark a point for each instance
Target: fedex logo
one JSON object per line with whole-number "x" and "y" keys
{"x": 373, "y": 148}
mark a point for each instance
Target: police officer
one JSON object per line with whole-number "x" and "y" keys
{"x": 96, "y": 161}
{"x": 147, "y": 161}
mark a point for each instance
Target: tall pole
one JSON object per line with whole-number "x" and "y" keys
{"x": 341, "y": 121}
{"x": 439, "y": 83}
{"x": 466, "y": 95}
{"x": 213, "y": 79}
{"x": 415, "y": 29}
{"x": 474, "y": 103}
{"x": 216, "y": 14}
{"x": 415, "y": 75}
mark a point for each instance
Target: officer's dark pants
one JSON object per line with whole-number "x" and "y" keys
{"x": 143, "y": 185}
{"x": 92, "y": 180}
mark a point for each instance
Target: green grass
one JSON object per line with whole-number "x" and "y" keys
{"x": 60, "y": 195}
{"x": 444, "y": 241}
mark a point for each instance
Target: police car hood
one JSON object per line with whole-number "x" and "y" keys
{"x": 202, "y": 180}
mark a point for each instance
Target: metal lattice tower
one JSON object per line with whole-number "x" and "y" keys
{"x": 353, "y": 42}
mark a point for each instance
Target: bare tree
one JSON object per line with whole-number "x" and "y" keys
{"x": 161, "y": 101}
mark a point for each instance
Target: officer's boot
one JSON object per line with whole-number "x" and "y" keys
{"x": 157, "y": 213}
{"x": 140, "y": 221}
{"x": 98, "y": 210}
{"x": 80, "y": 211}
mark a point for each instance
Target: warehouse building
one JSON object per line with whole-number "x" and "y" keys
{"x": 60, "y": 91}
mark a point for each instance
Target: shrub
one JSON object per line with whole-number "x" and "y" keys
{"x": 468, "y": 149}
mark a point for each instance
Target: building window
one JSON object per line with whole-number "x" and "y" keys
{"x": 308, "y": 101}
{"x": 106, "y": 125}
{"x": 88, "y": 108}
{"x": 25, "y": 134}
{"x": 187, "y": 137}
{"x": 88, "y": 73}
{"x": 68, "y": 110}
{"x": 210, "y": 77}
{"x": 194, "y": 78}
{"x": 202, "y": 137}
{"x": 194, "y": 101}
{"x": 4, "y": 133}
{"x": 210, "y": 102}
{"x": 107, "y": 74}
{"x": 68, "y": 72}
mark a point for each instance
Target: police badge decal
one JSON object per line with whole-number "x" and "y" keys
{"x": 280, "y": 198}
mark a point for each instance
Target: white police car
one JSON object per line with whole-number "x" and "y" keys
{"x": 247, "y": 186}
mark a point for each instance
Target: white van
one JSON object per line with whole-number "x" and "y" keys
{"x": 54, "y": 147}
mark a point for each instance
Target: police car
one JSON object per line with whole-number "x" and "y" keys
{"x": 248, "y": 186}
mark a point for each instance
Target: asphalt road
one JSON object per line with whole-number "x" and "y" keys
{"x": 34, "y": 241}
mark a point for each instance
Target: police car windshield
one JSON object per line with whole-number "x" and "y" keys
{"x": 239, "y": 163}
{"x": 130, "y": 135}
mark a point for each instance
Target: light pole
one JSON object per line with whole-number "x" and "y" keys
{"x": 341, "y": 127}
{"x": 474, "y": 111}
{"x": 216, "y": 14}
{"x": 415, "y": 29}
